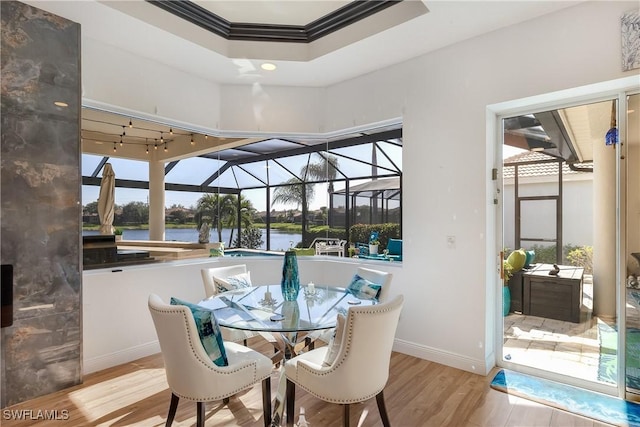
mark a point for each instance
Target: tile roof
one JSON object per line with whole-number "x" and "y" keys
{"x": 537, "y": 169}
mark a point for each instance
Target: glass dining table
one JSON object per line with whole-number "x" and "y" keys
{"x": 263, "y": 309}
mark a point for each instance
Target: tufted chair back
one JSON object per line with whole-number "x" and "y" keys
{"x": 381, "y": 277}
{"x": 361, "y": 368}
{"x": 190, "y": 372}
{"x": 208, "y": 274}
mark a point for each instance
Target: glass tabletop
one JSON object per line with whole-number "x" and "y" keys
{"x": 262, "y": 308}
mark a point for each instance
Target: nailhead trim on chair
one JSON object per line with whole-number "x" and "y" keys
{"x": 207, "y": 365}
{"x": 372, "y": 310}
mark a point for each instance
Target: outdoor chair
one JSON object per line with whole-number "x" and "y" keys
{"x": 355, "y": 367}
{"x": 191, "y": 373}
{"x": 327, "y": 246}
{"x": 394, "y": 247}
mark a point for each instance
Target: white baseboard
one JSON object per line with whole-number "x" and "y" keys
{"x": 118, "y": 358}
{"x": 476, "y": 366}
{"x": 480, "y": 367}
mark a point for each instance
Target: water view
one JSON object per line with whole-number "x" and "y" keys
{"x": 279, "y": 240}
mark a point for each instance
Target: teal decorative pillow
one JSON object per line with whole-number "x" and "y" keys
{"x": 334, "y": 343}
{"x": 208, "y": 330}
{"x": 363, "y": 288}
{"x": 224, "y": 284}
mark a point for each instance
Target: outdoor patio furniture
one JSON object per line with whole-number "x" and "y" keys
{"x": 328, "y": 246}
{"x": 394, "y": 247}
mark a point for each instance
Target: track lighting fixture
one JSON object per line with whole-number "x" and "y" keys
{"x": 130, "y": 124}
{"x": 170, "y": 131}
{"x": 192, "y": 141}
{"x": 161, "y": 138}
{"x": 123, "y": 132}
{"x": 147, "y": 148}
{"x": 165, "y": 147}
{"x": 114, "y": 147}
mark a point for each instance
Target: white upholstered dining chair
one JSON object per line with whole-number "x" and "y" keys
{"x": 379, "y": 277}
{"x": 192, "y": 375}
{"x": 376, "y": 276}
{"x": 209, "y": 276}
{"x": 356, "y": 369}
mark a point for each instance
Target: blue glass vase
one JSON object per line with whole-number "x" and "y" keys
{"x": 290, "y": 280}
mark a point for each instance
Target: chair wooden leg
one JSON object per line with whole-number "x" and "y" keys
{"x": 172, "y": 409}
{"x": 290, "y": 400}
{"x": 266, "y": 401}
{"x": 200, "y": 416}
{"x": 346, "y": 416}
{"x": 383, "y": 410}
{"x": 311, "y": 344}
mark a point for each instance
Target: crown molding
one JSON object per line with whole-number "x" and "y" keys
{"x": 340, "y": 18}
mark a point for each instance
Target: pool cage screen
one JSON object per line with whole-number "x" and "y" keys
{"x": 377, "y": 201}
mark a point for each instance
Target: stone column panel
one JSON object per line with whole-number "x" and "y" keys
{"x": 40, "y": 201}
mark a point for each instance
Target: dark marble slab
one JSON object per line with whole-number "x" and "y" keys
{"x": 40, "y": 201}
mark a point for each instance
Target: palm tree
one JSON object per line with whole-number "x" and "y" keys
{"x": 325, "y": 169}
{"x": 246, "y": 215}
{"x": 214, "y": 210}
{"x": 292, "y": 193}
{"x": 206, "y": 210}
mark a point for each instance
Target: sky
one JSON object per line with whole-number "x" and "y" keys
{"x": 123, "y": 196}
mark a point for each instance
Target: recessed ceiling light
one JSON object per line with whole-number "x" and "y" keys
{"x": 61, "y": 104}
{"x": 268, "y": 66}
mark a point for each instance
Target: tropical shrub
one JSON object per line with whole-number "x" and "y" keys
{"x": 359, "y": 233}
{"x": 251, "y": 238}
{"x": 579, "y": 256}
{"x": 582, "y": 256}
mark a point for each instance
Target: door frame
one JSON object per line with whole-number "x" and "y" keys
{"x": 613, "y": 89}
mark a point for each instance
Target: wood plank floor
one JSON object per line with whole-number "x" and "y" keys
{"x": 419, "y": 393}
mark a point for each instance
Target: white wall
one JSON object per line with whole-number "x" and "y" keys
{"x": 116, "y": 77}
{"x": 272, "y": 108}
{"x": 577, "y": 212}
{"x": 117, "y": 326}
{"x": 442, "y": 97}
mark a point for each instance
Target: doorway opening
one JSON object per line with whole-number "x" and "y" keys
{"x": 559, "y": 228}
